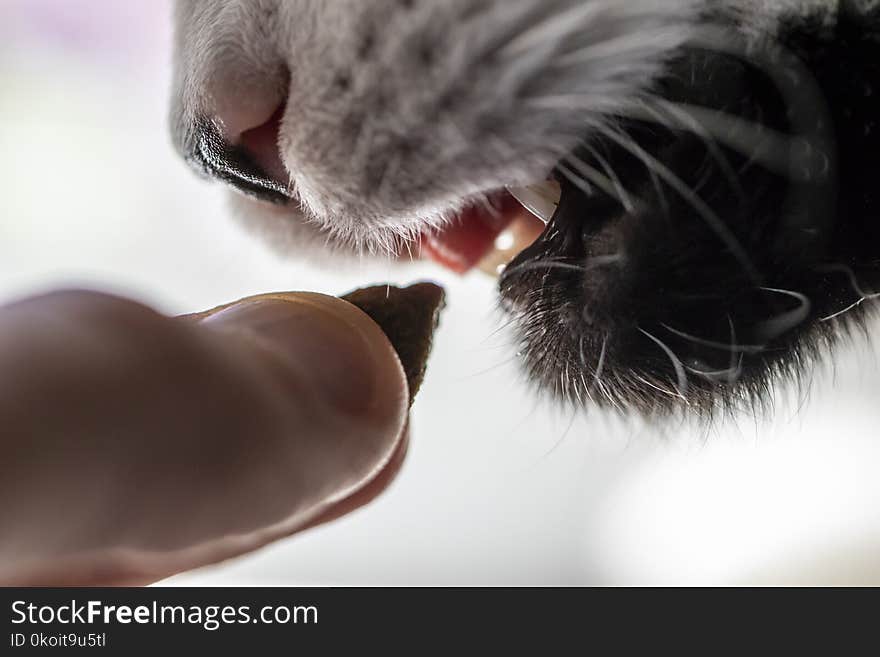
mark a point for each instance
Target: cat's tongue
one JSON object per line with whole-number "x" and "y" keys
{"x": 488, "y": 237}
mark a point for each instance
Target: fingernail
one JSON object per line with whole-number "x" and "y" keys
{"x": 339, "y": 353}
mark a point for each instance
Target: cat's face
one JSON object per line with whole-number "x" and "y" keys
{"x": 699, "y": 166}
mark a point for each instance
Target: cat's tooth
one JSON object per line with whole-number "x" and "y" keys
{"x": 540, "y": 199}
{"x": 519, "y": 234}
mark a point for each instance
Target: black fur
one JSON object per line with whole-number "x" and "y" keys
{"x": 669, "y": 304}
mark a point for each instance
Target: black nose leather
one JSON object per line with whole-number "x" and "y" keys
{"x": 213, "y": 156}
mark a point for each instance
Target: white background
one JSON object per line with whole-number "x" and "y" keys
{"x": 498, "y": 488}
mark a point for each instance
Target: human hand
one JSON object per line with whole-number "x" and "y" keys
{"x": 134, "y": 446}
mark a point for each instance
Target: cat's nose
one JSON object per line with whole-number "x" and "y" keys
{"x": 241, "y": 149}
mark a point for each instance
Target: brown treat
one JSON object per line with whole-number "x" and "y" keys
{"x": 409, "y": 316}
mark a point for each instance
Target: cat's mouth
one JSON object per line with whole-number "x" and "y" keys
{"x": 489, "y": 235}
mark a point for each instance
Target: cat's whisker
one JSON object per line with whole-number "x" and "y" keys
{"x": 622, "y": 193}
{"x": 730, "y": 375}
{"x": 698, "y": 204}
{"x": 655, "y": 181}
{"x": 591, "y": 263}
{"x": 754, "y": 141}
{"x": 689, "y": 123}
{"x": 676, "y": 363}
{"x": 660, "y": 388}
{"x": 551, "y": 28}
{"x": 593, "y": 175}
{"x": 733, "y": 348}
{"x": 600, "y": 366}
{"x": 733, "y": 353}
{"x": 586, "y": 388}
{"x": 851, "y": 275}
{"x": 844, "y": 311}
{"x": 578, "y": 181}
{"x": 772, "y": 328}
{"x": 592, "y": 102}
{"x": 617, "y": 45}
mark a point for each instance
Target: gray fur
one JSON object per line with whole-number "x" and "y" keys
{"x": 400, "y": 112}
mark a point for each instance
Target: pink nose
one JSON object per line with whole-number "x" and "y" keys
{"x": 237, "y": 142}
{"x": 261, "y": 143}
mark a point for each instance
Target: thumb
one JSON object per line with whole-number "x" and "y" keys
{"x": 137, "y": 446}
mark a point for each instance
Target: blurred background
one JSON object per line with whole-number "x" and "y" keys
{"x": 499, "y": 487}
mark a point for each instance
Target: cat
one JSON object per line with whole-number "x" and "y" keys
{"x": 718, "y": 164}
